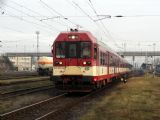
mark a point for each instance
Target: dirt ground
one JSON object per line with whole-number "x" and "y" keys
{"x": 138, "y": 99}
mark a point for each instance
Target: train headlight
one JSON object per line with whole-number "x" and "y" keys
{"x": 72, "y": 36}
{"x": 86, "y": 63}
{"x": 58, "y": 63}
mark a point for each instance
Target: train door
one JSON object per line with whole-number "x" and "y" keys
{"x": 111, "y": 64}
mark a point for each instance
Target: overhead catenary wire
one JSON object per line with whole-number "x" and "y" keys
{"x": 93, "y": 20}
{"x": 62, "y": 16}
{"x": 92, "y": 7}
{"x": 39, "y": 15}
{"x": 49, "y": 26}
{"x": 36, "y": 25}
{"x": 33, "y": 23}
{"x": 84, "y": 12}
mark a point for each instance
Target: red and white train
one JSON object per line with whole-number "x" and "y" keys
{"x": 81, "y": 63}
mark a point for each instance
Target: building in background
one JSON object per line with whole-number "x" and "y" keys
{"x": 23, "y": 63}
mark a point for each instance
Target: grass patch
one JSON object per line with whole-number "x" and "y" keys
{"x": 139, "y": 99}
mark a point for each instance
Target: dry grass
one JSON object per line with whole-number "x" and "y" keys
{"x": 139, "y": 99}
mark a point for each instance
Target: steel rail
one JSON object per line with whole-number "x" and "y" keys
{"x": 51, "y": 115}
{"x": 6, "y": 95}
{"x": 14, "y": 113}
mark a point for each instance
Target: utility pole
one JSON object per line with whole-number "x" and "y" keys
{"x": 37, "y": 33}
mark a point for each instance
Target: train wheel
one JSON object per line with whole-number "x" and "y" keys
{"x": 101, "y": 84}
{"x": 98, "y": 85}
{"x": 104, "y": 82}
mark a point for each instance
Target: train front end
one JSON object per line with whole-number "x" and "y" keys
{"x": 73, "y": 61}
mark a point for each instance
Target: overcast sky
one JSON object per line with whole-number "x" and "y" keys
{"x": 138, "y": 30}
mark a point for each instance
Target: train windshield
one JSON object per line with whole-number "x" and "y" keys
{"x": 85, "y": 49}
{"x": 73, "y": 49}
{"x": 60, "y": 50}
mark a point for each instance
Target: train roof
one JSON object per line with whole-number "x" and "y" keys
{"x": 85, "y": 34}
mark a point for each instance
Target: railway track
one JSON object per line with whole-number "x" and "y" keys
{"x": 48, "y": 109}
{"x": 60, "y": 112}
{"x": 20, "y": 92}
{"x": 31, "y": 112}
{"x": 17, "y": 75}
{"x": 10, "y": 82}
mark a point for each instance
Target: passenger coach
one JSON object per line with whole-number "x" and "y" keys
{"x": 82, "y": 64}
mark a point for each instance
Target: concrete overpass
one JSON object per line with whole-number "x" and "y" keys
{"x": 140, "y": 53}
{"x": 28, "y": 54}
{"x": 127, "y": 53}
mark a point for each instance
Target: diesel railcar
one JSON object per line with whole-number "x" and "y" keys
{"x": 82, "y": 63}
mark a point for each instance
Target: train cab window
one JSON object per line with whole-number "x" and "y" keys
{"x": 85, "y": 49}
{"x": 95, "y": 52}
{"x": 60, "y": 50}
{"x": 72, "y": 50}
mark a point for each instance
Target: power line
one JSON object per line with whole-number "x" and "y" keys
{"x": 92, "y": 7}
{"x": 25, "y": 7}
{"x": 90, "y": 17}
{"x": 32, "y": 12}
{"x": 49, "y": 26}
{"x": 83, "y": 11}
{"x": 62, "y": 16}
{"x": 31, "y": 22}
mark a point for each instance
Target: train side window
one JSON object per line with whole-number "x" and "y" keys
{"x": 101, "y": 59}
{"x": 95, "y": 52}
{"x": 114, "y": 61}
{"x": 111, "y": 61}
{"x": 106, "y": 59}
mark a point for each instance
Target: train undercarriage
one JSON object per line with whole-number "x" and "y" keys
{"x": 85, "y": 83}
